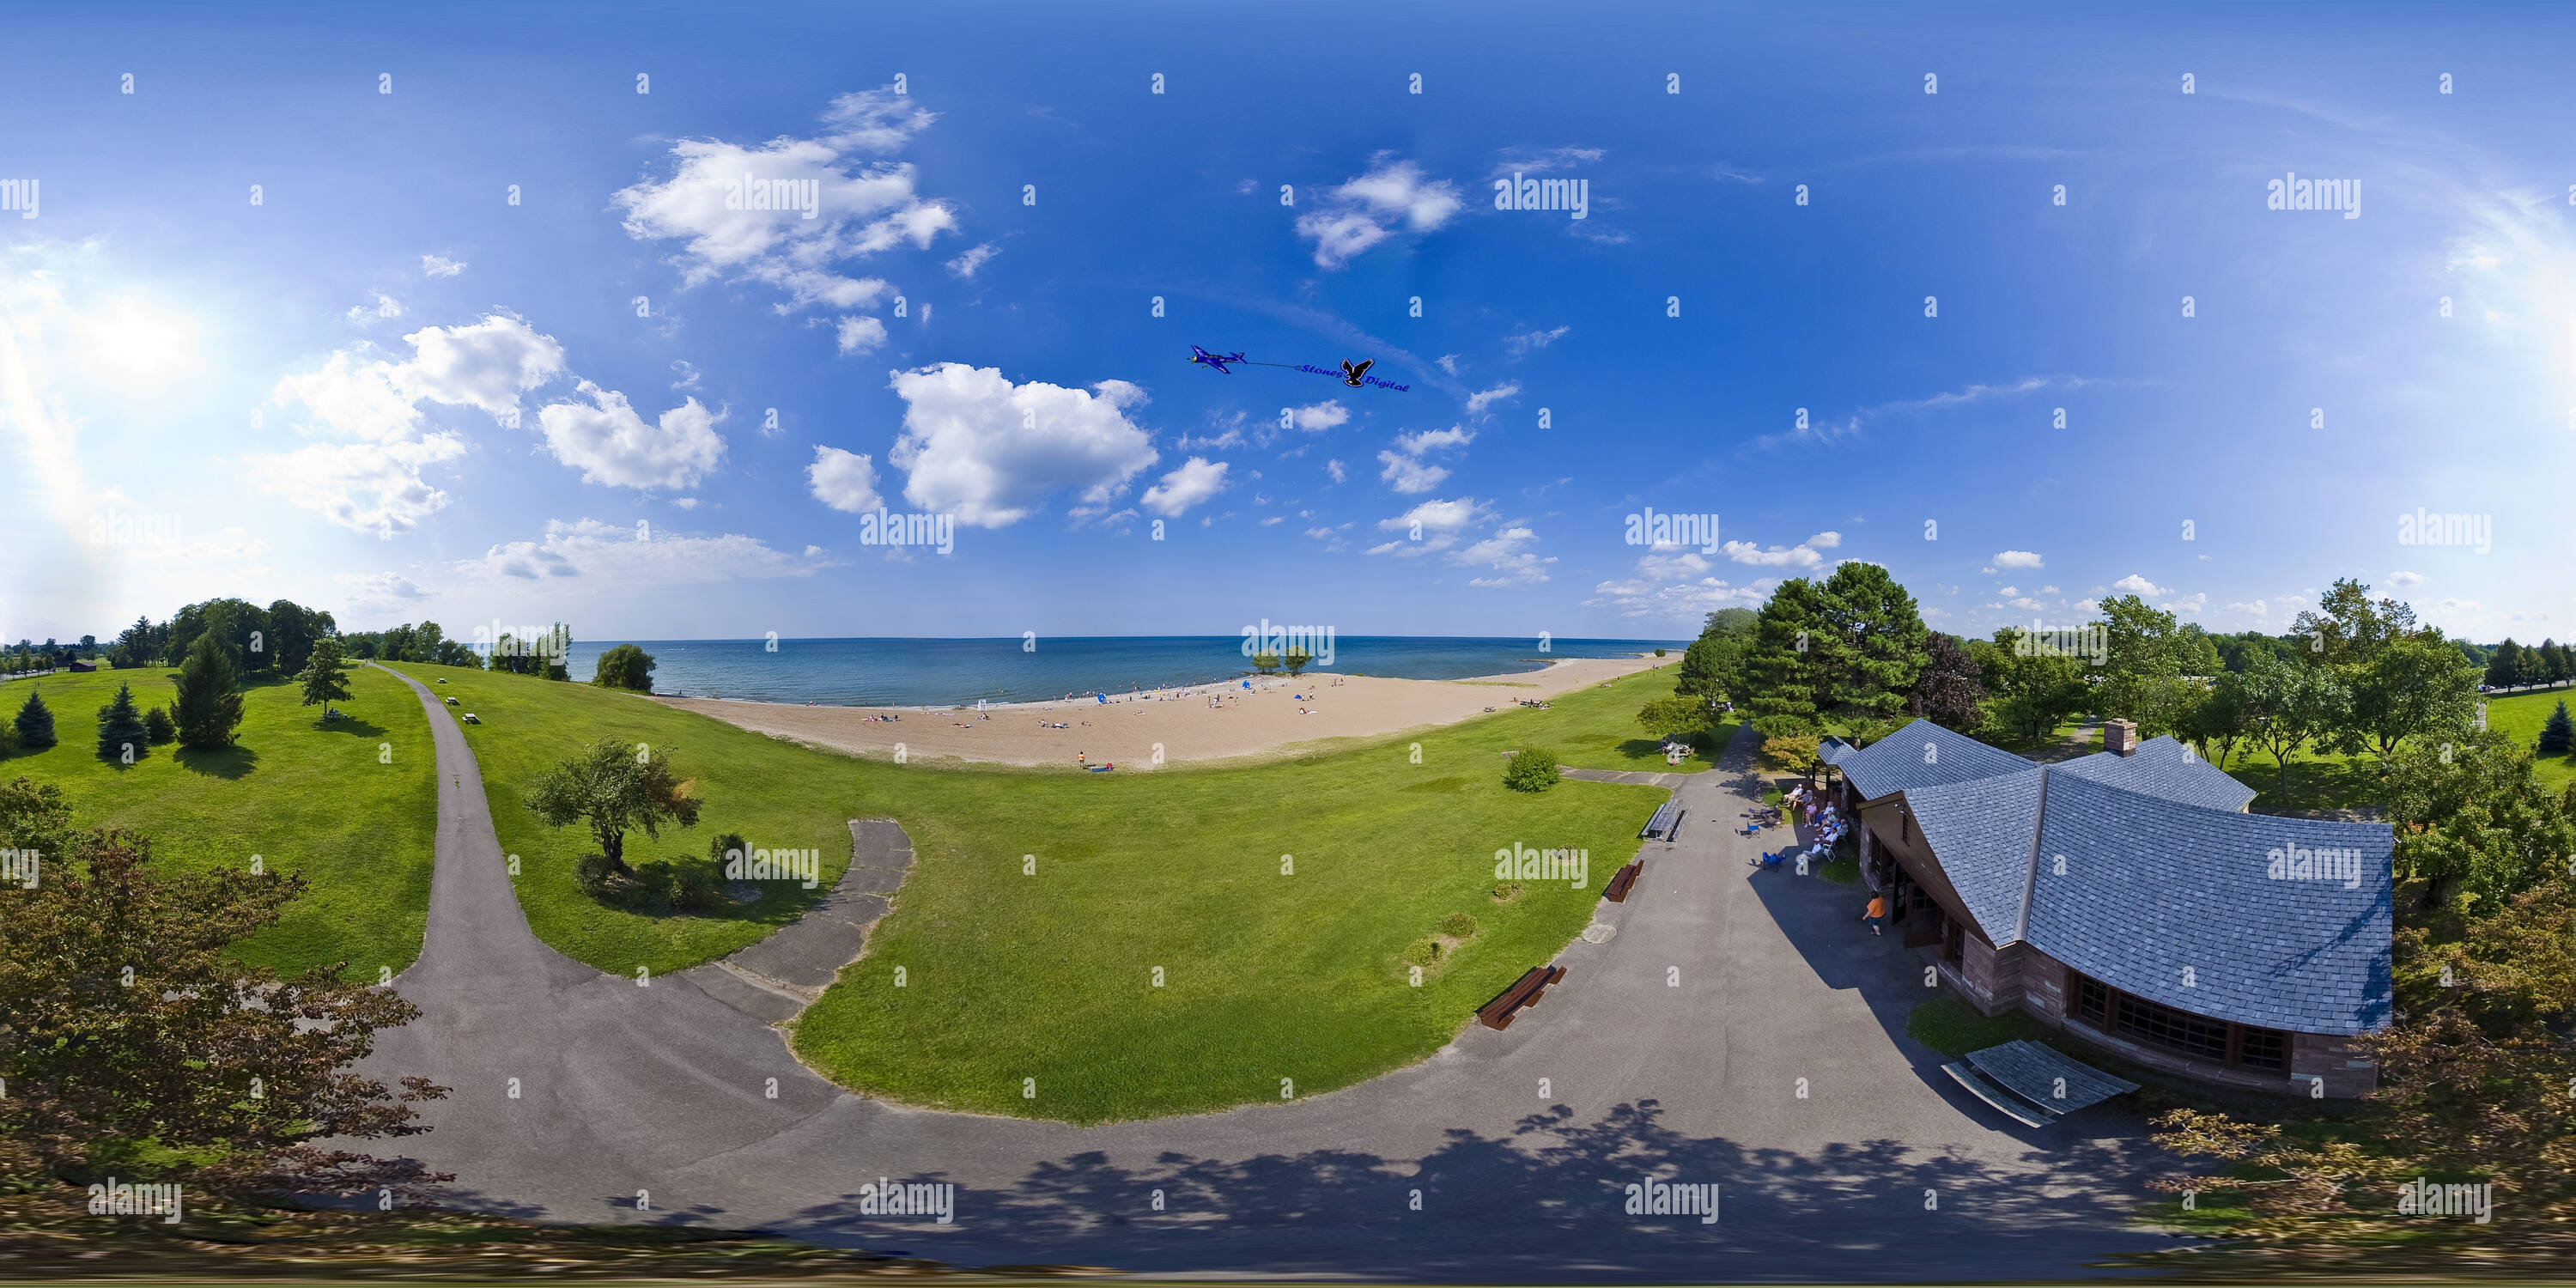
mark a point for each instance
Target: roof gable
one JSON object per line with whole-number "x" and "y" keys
{"x": 2164, "y": 768}
{"x": 1979, "y": 832}
{"x": 1923, "y": 754}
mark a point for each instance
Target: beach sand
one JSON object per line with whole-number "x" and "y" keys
{"x": 1250, "y": 722}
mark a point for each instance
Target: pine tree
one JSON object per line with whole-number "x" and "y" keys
{"x": 121, "y": 735}
{"x": 2558, "y": 737}
{"x": 209, "y": 706}
{"x": 35, "y": 723}
{"x": 157, "y": 726}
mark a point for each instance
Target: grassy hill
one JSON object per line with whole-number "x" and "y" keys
{"x": 314, "y": 801}
{"x": 1268, "y": 975}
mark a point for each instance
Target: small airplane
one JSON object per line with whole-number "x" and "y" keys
{"x": 1355, "y": 377}
{"x": 1218, "y": 360}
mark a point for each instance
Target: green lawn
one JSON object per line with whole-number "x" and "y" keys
{"x": 2522, "y": 715}
{"x": 1300, "y": 976}
{"x": 1596, "y": 727}
{"x": 313, "y": 801}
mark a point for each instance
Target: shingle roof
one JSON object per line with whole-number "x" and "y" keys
{"x": 2177, "y": 904}
{"x": 1834, "y": 751}
{"x": 2166, "y": 890}
{"x": 2166, "y": 768}
{"x": 1924, "y": 754}
{"x": 1980, "y": 832}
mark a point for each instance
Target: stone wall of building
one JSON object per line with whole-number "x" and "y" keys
{"x": 2340, "y": 1061}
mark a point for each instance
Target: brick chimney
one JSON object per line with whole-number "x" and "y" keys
{"x": 2120, "y": 737}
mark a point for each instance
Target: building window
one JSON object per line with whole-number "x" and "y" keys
{"x": 2154, "y": 1024}
{"x": 2092, "y": 1002}
{"x": 2263, "y": 1048}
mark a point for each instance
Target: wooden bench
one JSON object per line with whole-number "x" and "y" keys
{"x": 1525, "y": 991}
{"x": 1623, "y": 881}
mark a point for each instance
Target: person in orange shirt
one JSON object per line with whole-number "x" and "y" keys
{"x": 1877, "y": 914}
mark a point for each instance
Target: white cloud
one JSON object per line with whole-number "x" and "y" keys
{"x": 2459, "y": 605}
{"x": 1521, "y": 342}
{"x": 2087, "y": 606}
{"x": 441, "y": 266}
{"x": 1825, "y": 540}
{"x": 2136, "y": 585}
{"x": 860, "y": 335}
{"x": 975, "y": 257}
{"x": 2403, "y": 580}
{"x": 2008, "y": 592}
{"x": 618, "y": 561}
{"x": 1315, "y": 418}
{"x": 376, "y": 589}
{"x": 689, "y": 374}
{"x": 684, "y": 503}
{"x": 2018, "y": 559}
{"x": 386, "y": 306}
{"x": 1745, "y": 552}
{"x": 486, "y": 365}
{"x": 1448, "y": 362}
{"x": 1196, "y": 480}
{"x": 610, "y": 444}
{"x": 1478, "y": 402}
{"x": 372, "y": 487}
{"x": 1336, "y": 469}
{"x": 1365, "y": 211}
{"x": 1406, "y": 470}
{"x": 1508, "y": 557}
{"x": 2048, "y": 590}
{"x": 991, "y": 451}
{"x": 845, "y": 481}
{"x": 860, "y": 206}
{"x": 1439, "y": 521}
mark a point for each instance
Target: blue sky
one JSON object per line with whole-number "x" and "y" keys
{"x": 387, "y": 391}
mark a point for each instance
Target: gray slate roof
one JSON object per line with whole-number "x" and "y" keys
{"x": 2175, "y": 903}
{"x": 2166, "y": 768}
{"x": 1924, "y": 754}
{"x": 2167, "y": 890}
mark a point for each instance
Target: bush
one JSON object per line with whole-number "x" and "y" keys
{"x": 1458, "y": 925}
{"x": 35, "y": 723}
{"x": 1531, "y": 770}
{"x": 157, "y": 726}
{"x": 625, "y": 667}
{"x": 1659, "y": 652}
{"x": 595, "y": 874}
{"x": 695, "y": 884}
{"x": 725, "y": 845}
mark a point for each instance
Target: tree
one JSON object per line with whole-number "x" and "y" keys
{"x": 158, "y": 728}
{"x": 2219, "y": 724}
{"x": 131, "y": 1021}
{"x": 625, "y": 667}
{"x": 2347, "y": 629}
{"x": 2409, "y": 686}
{"x": 2504, "y": 664}
{"x": 2040, "y": 685}
{"x": 1531, "y": 770}
{"x": 2287, "y": 706}
{"x": 1296, "y": 660}
{"x": 555, "y": 646}
{"x": 2554, "y": 663}
{"x": 2141, "y": 676}
{"x": 613, "y": 788}
{"x": 1849, "y": 648}
{"x": 1265, "y": 662}
{"x": 34, "y": 816}
{"x": 1794, "y": 753}
{"x": 293, "y": 631}
{"x": 323, "y": 678}
{"x": 2558, "y": 737}
{"x": 1713, "y": 666}
{"x": 121, "y": 734}
{"x": 209, "y": 706}
{"x": 2472, "y": 816}
{"x": 1948, "y": 692}
{"x": 1678, "y": 716}
{"x": 35, "y": 723}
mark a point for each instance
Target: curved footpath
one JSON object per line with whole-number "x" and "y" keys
{"x": 1674, "y": 1050}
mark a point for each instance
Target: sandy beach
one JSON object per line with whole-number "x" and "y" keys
{"x": 1273, "y": 714}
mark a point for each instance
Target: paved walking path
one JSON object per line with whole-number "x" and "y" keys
{"x": 1737, "y": 1030}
